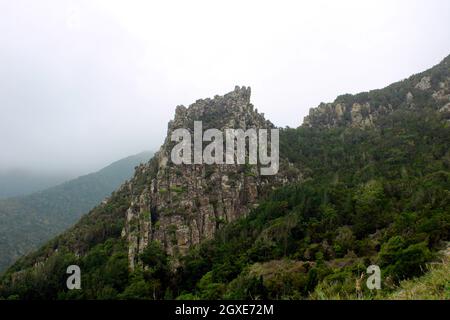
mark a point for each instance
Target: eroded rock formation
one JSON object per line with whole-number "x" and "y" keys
{"x": 181, "y": 205}
{"x": 430, "y": 89}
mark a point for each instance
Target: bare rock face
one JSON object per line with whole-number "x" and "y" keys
{"x": 424, "y": 83}
{"x": 335, "y": 114}
{"x": 181, "y": 205}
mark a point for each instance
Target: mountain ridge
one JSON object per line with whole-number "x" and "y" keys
{"x": 185, "y": 204}
{"x": 45, "y": 213}
{"x": 430, "y": 87}
{"x": 17, "y": 182}
{"x": 363, "y": 192}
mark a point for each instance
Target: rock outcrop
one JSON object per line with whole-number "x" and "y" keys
{"x": 354, "y": 114}
{"x": 181, "y": 205}
{"x": 430, "y": 89}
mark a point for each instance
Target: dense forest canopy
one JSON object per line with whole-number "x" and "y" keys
{"x": 373, "y": 194}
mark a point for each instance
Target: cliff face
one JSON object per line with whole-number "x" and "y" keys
{"x": 357, "y": 181}
{"x": 430, "y": 89}
{"x": 181, "y": 205}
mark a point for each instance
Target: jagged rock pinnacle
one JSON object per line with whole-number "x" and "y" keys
{"x": 181, "y": 205}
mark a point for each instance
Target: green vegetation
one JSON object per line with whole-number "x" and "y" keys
{"x": 435, "y": 284}
{"x": 358, "y": 207}
{"x": 27, "y": 222}
{"x": 177, "y": 189}
{"x": 376, "y": 196}
{"x": 379, "y": 195}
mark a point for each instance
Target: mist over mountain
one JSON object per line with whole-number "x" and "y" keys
{"x": 77, "y": 75}
{"x": 28, "y": 221}
{"x": 21, "y": 182}
{"x": 365, "y": 180}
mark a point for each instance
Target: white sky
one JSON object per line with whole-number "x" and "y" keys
{"x": 84, "y": 83}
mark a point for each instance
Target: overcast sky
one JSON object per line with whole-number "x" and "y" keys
{"x": 84, "y": 83}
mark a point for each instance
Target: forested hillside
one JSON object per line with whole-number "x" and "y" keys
{"x": 374, "y": 189}
{"x": 27, "y": 222}
{"x": 16, "y": 183}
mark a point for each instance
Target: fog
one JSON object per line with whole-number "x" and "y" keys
{"x": 85, "y": 83}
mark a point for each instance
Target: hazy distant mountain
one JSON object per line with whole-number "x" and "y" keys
{"x": 365, "y": 180}
{"x": 28, "y": 221}
{"x": 16, "y": 183}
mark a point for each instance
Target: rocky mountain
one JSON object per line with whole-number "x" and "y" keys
{"x": 365, "y": 180}
{"x": 427, "y": 89}
{"x": 181, "y": 205}
{"x": 26, "y": 222}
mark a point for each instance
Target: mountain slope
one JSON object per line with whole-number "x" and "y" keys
{"x": 430, "y": 89}
{"x": 28, "y": 221}
{"x": 20, "y": 182}
{"x": 434, "y": 285}
{"x": 181, "y": 205}
{"x": 363, "y": 192}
